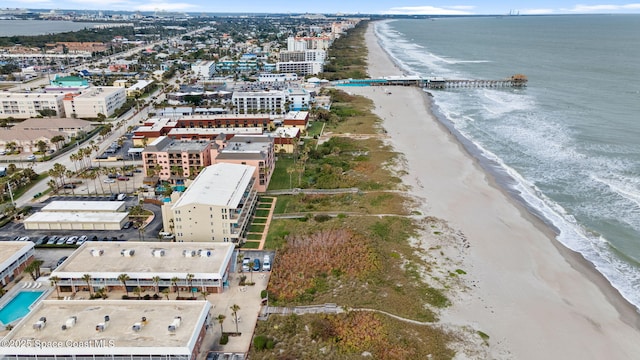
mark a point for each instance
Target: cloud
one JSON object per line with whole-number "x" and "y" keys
{"x": 536, "y": 11}
{"x": 103, "y": 4}
{"x": 430, "y": 10}
{"x": 580, "y": 8}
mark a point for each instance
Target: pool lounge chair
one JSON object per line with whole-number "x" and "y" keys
{"x": 38, "y": 285}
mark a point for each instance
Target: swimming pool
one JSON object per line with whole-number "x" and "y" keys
{"x": 18, "y": 307}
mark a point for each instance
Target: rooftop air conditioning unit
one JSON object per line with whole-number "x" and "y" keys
{"x": 136, "y": 327}
{"x": 39, "y": 325}
{"x": 97, "y": 252}
{"x": 157, "y": 252}
{"x": 100, "y": 327}
{"x": 189, "y": 253}
{"x": 127, "y": 252}
{"x": 205, "y": 252}
{"x": 71, "y": 321}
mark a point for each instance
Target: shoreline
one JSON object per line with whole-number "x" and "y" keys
{"x": 524, "y": 286}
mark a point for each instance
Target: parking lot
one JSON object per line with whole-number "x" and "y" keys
{"x": 15, "y": 230}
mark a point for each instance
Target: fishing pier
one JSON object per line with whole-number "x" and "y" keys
{"x": 515, "y": 81}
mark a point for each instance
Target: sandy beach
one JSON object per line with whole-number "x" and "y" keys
{"x": 535, "y": 299}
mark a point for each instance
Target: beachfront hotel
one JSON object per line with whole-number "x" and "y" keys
{"x": 14, "y": 257}
{"x": 216, "y": 207}
{"x": 142, "y": 261}
{"x": 110, "y": 329}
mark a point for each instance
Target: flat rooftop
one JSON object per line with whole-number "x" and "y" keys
{"x": 77, "y": 217}
{"x": 118, "y": 337}
{"x": 84, "y": 206}
{"x": 11, "y": 251}
{"x": 144, "y": 261}
{"x": 216, "y": 131}
{"x": 221, "y": 184}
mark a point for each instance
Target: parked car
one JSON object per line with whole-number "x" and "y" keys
{"x": 71, "y": 240}
{"x": 41, "y": 240}
{"x": 31, "y": 158}
{"x": 128, "y": 173}
{"x": 52, "y": 240}
{"x": 112, "y": 175}
{"x": 61, "y": 240}
{"x": 256, "y": 264}
{"x": 121, "y": 197}
{"x": 24, "y": 238}
{"x": 123, "y": 178}
{"x": 113, "y": 197}
{"x": 62, "y": 259}
{"x": 127, "y": 225}
{"x": 266, "y": 263}
{"x": 69, "y": 186}
{"x": 245, "y": 264}
{"x": 108, "y": 181}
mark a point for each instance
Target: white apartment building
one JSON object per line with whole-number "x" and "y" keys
{"x": 216, "y": 207}
{"x": 298, "y": 99}
{"x": 257, "y": 102}
{"x": 110, "y": 329}
{"x": 204, "y": 69}
{"x": 142, "y": 261}
{"x": 300, "y": 67}
{"x": 28, "y": 105}
{"x": 315, "y": 55}
{"x": 294, "y": 44}
{"x": 277, "y": 77}
{"x": 14, "y": 257}
{"x": 95, "y": 100}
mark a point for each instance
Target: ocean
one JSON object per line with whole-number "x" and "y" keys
{"x": 567, "y": 145}
{"x": 41, "y": 27}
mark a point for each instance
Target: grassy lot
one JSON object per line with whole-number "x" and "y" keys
{"x": 256, "y": 228}
{"x": 314, "y": 128}
{"x": 280, "y": 179}
{"x": 262, "y": 213}
{"x": 251, "y": 245}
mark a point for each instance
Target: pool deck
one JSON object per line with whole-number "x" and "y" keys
{"x": 24, "y": 286}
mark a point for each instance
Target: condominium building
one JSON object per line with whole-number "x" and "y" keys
{"x": 255, "y": 150}
{"x": 298, "y": 99}
{"x": 169, "y": 262}
{"x": 175, "y": 160}
{"x": 268, "y": 78}
{"x": 300, "y": 67}
{"x": 29, "y": 105}
{"x": 251, "y": 102}
{"x": 286, "y": 56}
{"x": 14, "y": 257}
{"x": 93, "y": 101}
{"x": 216, "y": 207}
{"x": 197, "y": 127}
{"x": 110, "y": 329}
{"x": 205, "y": 69}
{"x": 304, "y": 55}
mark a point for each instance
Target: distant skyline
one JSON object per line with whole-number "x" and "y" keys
{"x": 395, "y": 7}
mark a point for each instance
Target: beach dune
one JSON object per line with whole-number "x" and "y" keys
{"x": 532, "y": 297}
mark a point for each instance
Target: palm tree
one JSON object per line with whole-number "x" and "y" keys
{"x": 124, "y": 278}
{"x": 220, "y": 319}
{"x": 234, "y": 310}
{"x": 190, "y": 281}
{"x": 252, "y": 264}
{"x": 137, "y": 291}
{"x": 166, "y": 292}
{"x": 156, "y": 281}
{"x": 204, "y": 295}
{"x": 54, "y": 280}
{"x": 87, "y": 279}
{"x": 174, "y": 282}
{"x": 56, "y": 140}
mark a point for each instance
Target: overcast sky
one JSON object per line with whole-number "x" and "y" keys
{"x": 468, "y": 7}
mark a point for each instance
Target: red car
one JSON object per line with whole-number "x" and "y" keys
{"x": 123, "y": 178}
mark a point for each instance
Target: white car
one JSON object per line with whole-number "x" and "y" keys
{"x": 31, "y": 157}
{"x": 108, "y": 181}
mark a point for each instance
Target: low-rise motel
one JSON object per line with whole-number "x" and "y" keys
{"x": 179, "y": 266}
{"x": 14, "y": 257}
{"x": 109, "y": 329}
